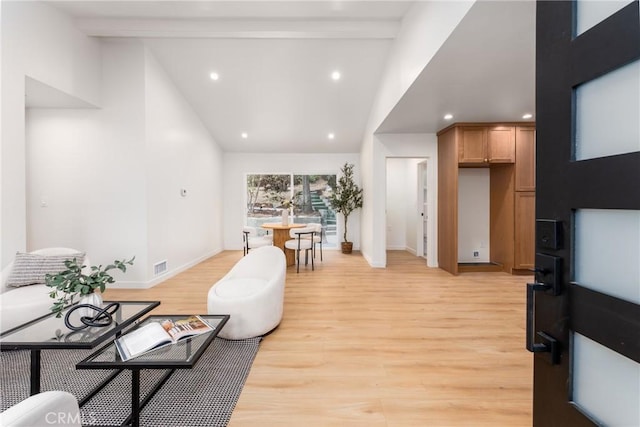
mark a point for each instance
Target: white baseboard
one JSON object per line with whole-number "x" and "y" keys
{"x": 371, "y": 264}
{"x": 167, "y": 275}
{"x": 402, "y": 248}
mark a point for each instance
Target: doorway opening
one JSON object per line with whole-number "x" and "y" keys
{"x": 409, "y": 207}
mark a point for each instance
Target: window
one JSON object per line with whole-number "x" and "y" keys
{"x": 268, "y": 195}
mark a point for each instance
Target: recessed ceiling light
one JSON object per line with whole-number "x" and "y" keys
{"x": 331, "y": 136}
{"x": 335, "y": 75}
{"x": 527, "y": 116}
{"x": 244, "y": 135}
{"x": 214, "y": 76}
{"x": 448, "y": 116}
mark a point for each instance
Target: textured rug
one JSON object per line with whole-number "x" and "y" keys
{"x": 202, "y": 396}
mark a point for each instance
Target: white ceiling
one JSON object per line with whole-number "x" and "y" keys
{"x": 484, "y": 72}
{"x": 260, "y": 9}
{"x": 275, "y": 59}
{"x": 279, "y": 91}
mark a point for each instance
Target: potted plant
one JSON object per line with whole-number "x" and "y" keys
{"x": 346, "y": 198}
{"x": 71, "y": 282}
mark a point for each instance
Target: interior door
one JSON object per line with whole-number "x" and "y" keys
{"x": 423, "y": 217}
{"x": 583, "y": 322}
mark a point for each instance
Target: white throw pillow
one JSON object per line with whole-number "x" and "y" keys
{"x": 31, "y": 269}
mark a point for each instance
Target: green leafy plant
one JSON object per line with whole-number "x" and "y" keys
{"x": 71, "y": 282}
{"x": 346, "y": 196}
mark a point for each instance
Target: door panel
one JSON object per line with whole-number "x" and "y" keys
{"x": 421, "y": 220}
{"x": 590, "y": 13}
{"x": 605, "y": 383}
{"x": 525, "y": 159}
{"x": 473, "y": 145}
{"x": 524, "y": 241}
{"x": 607, "y": 252}
{"x": 607, "y": 108}
{"x": 581, "y": 202}
{"x": 425, "y": 209}
{"x": 501, "y": 144}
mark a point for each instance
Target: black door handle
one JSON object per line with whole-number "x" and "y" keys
{"x": 549, "y": 344}
{"x": 531, "y": 288}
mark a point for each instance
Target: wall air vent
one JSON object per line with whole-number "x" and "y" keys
{"x": 159, "y": 268}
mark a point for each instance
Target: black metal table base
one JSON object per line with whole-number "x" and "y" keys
{"x": 133, "y": 419}
{"x": 99, "y": 387}
{"x": 34, "y": 381}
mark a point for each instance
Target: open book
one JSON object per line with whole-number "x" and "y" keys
{"x": 158, "y": 334}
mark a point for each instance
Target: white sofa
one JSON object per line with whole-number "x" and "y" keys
{"x": 19, "y": 305}
{"x": 252, "y": 292}
{"x": 51, "y": 408}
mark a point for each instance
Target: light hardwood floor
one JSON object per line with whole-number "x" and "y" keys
{"x": 402, "y": 346}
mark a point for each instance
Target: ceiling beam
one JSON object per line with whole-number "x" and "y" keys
{"x": 225, "y": 28}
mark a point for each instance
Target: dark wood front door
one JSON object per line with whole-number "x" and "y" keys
{"x": 583, "y": 322}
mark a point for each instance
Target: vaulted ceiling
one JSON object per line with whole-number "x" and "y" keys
{"x": 275, "y": 59}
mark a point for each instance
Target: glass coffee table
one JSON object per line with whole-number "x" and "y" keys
{"x": 182, "y": 355}
{"x": 50, "y": 333}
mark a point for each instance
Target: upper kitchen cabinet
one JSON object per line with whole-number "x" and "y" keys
{"x": 472, "y": 145}
{"x": 480, "y": 146}
{"x": 501, "y": 144}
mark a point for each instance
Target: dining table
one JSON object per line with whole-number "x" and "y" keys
{"x": 281, "y": 235}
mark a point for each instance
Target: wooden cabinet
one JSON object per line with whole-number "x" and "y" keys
{"x": 472, "y": 145}
{"x": 501, "y": 144}
{"x": 525, "y": 202}
{"x": 525, "y": 220}
{"x": 481, "y": 145}
{"x": 448, "y": 201}
{"x": 525, "y": 158}
{"x": 508, "y": 150}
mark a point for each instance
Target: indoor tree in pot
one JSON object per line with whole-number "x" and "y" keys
{"x": 346, "y": 198}
{"x": 71, "y": 282}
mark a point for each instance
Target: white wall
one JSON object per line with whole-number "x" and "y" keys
{"x": 88, "y": 166}
{"x": 473, "y": 214}
{"x": 423, "y": 146}
{"x": 424, "y": 29}
{"x": 398, "y": 189}
{"x": 39, "y": 42}
{"x": 180, "y": 154}
{"x": 238, "y": 165}
{"x": 111, "y": 178}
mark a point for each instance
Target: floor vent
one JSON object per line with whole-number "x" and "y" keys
{"x": 160, "y": 268}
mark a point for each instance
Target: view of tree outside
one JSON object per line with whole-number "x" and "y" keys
{"x": 307, "y": 196}
{"x": 266, "y": 194}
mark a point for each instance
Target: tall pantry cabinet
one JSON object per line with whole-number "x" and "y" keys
{"x": 508, "y": 151}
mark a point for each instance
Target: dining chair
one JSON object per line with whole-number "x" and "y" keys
{"x": 301, "y": 238}
{"x": 253, "y": 240}
{"x": 317, "y": 237}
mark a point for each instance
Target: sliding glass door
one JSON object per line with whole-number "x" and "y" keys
{"x": 306, "y": 197}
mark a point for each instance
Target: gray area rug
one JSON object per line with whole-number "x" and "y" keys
{"x": 202, "y": 396}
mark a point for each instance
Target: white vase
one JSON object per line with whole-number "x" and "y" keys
{"x": 285, "y": 216}
{"x": 94, "y": 298}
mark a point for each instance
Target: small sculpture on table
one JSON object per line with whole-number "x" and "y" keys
{"x": 102, "y": 316}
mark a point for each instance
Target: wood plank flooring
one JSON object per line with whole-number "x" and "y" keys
{"x": 402, "y": 346}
